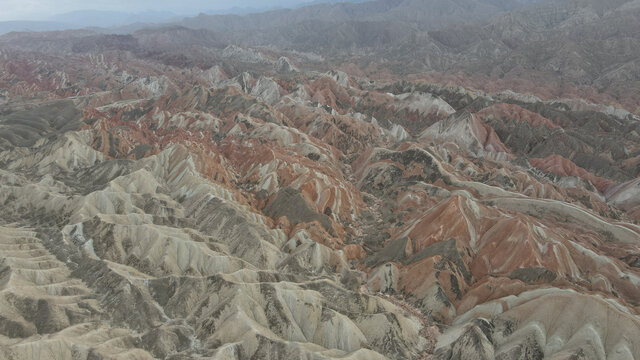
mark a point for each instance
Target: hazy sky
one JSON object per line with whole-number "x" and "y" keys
{"x": 42, "y": 9}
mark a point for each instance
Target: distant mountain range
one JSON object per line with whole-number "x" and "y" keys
{"x": 88, "y": 19}
{"x": 564, "y": 42}
{"x": 97, "y": 18}
{"x": 122, "y": 21}
{"x": 26, "y": 25}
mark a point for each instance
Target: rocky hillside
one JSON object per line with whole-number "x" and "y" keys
{"x": 168, "y": 195}
{"x": 554, "y": 48}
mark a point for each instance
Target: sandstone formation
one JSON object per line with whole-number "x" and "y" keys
{"x": 166, "y": 195}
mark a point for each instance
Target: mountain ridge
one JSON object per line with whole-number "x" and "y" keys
{"x": 373, "y": 190}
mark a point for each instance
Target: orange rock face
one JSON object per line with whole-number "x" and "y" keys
{"x": 560, "y": 166}
{"x": 511, "y": 111}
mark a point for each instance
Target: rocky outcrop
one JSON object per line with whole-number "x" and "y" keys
{"x": 244, "y": 54}
{"x": 340, "y": 77}
{"x": 626, "y": 196}
{"x": 469, "y": 133}
{"x": 560, "y": 166}
{"x": 536, "y": 335}
{"x": 284, "y": 66}
{"x": 267, "y": 90}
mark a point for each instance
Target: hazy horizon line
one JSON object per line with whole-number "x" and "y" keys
{"x": 22, "y": 14}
